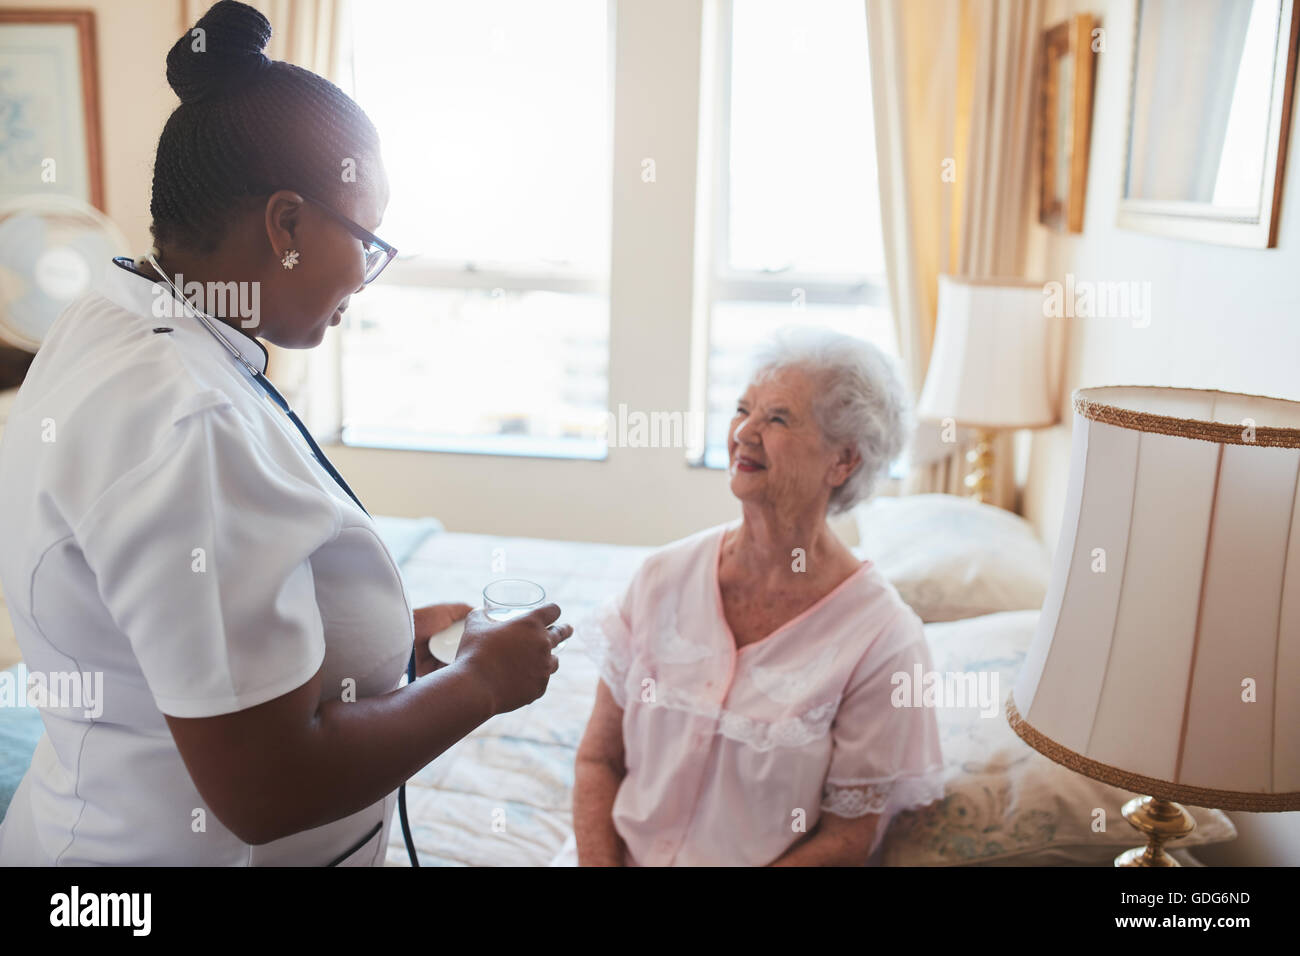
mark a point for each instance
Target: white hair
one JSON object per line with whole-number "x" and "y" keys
{"x": 860, "y": 400}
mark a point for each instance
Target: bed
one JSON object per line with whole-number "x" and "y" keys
{"x": 502, "y": 795}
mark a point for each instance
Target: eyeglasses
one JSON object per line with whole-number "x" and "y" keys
{"x": 378, "y": 252}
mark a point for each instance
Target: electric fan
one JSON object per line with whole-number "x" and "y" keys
{"x": 52, "y": 250}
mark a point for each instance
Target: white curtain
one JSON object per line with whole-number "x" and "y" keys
{"x": 953, "y": 86}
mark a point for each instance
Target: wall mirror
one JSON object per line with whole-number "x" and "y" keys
{"x": 1210, "y": 96}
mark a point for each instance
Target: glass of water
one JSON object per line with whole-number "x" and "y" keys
{"x": 510, "y": 598}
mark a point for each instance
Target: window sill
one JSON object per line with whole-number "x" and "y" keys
{"x": 507, "y": 446}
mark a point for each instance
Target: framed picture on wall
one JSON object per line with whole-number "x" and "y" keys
{"x": 1065, "y": 122}
{"x": 49, "y": 105}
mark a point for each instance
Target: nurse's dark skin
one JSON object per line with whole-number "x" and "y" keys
{"x": 296, "y": 305}
{"x": 294, "y": 763}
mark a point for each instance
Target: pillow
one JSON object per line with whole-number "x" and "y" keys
{"x": 952, "y": 558}
{"x": 1004, "y": 803}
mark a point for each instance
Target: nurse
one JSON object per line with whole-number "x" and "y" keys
{"x": 166, "y": 524}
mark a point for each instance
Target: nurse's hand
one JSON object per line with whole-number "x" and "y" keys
{"x": 429, "y": 621}
{"x": 513, "y": 659}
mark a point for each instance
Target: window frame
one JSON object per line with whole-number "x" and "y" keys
{"x": 431, "y": 272}
{"x": 714, "y": 281}
{"x": 723, "y": 283}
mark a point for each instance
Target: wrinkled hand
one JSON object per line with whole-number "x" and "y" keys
{"x": 429, "y": 621}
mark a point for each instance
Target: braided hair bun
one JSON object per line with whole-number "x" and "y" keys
{"x": 223, "y": 48}
{"x": 246, "y": 127}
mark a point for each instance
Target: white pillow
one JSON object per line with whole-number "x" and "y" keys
{"x": 953, "y": 558}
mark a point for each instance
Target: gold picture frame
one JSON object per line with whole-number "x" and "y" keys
{"x": 1065, "y": 122}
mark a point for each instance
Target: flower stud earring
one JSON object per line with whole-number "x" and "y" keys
{"x": 289, "y": 259}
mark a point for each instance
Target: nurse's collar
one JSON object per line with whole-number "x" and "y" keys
{"x": 143, "y": 298}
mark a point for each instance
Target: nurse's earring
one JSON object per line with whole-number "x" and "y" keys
{"x": 289, "y": 259}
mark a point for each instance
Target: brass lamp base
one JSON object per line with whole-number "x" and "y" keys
{"x": 1161, "y": 821}
{"x": 979, "y": 473}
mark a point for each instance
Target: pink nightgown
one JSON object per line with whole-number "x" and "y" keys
{"x": 732, "y": 755}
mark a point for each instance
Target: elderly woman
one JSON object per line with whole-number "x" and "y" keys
{"x": 744, "y": 714}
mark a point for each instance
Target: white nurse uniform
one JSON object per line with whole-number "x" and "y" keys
{"x": 166, "y": 526}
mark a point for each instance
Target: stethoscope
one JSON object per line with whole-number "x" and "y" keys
{"x": 265, "y": 384}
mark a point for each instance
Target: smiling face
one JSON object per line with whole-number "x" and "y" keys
{"x": 778, "y": 456}
{"x": 306, "y": 300}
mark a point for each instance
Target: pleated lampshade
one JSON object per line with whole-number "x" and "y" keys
{"x": 1167, "y": 656}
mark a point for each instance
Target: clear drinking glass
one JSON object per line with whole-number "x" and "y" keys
{"x": 503, "y": 600}
{"x": 510, "y": 598}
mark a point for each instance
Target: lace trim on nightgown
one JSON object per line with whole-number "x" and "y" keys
{"x": 795, "y": 731}
{"x": 607, "y": 640}
{"x": 611, "y": 656}
{"x": 857, "y": 798}
{"x": 787, "y": 685}
{"x": 671, "y": 645}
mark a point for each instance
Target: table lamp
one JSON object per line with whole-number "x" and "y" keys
{"x": 989, "y": 365}
{"x": 1167, "y": 655}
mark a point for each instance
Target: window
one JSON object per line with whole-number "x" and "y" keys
{"x": 795, "y": 210}
{"x": 489, "y": 332}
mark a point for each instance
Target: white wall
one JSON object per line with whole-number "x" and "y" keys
{"x": 1221, "y": 318}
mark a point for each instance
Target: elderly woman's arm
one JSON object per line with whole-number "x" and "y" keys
{"x": 598, "y": 771}
{"x": 835, "y": 841}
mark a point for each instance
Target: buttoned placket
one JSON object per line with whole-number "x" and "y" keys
{"x": 703, "y": 741}
{"x": 702, "y": 750}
